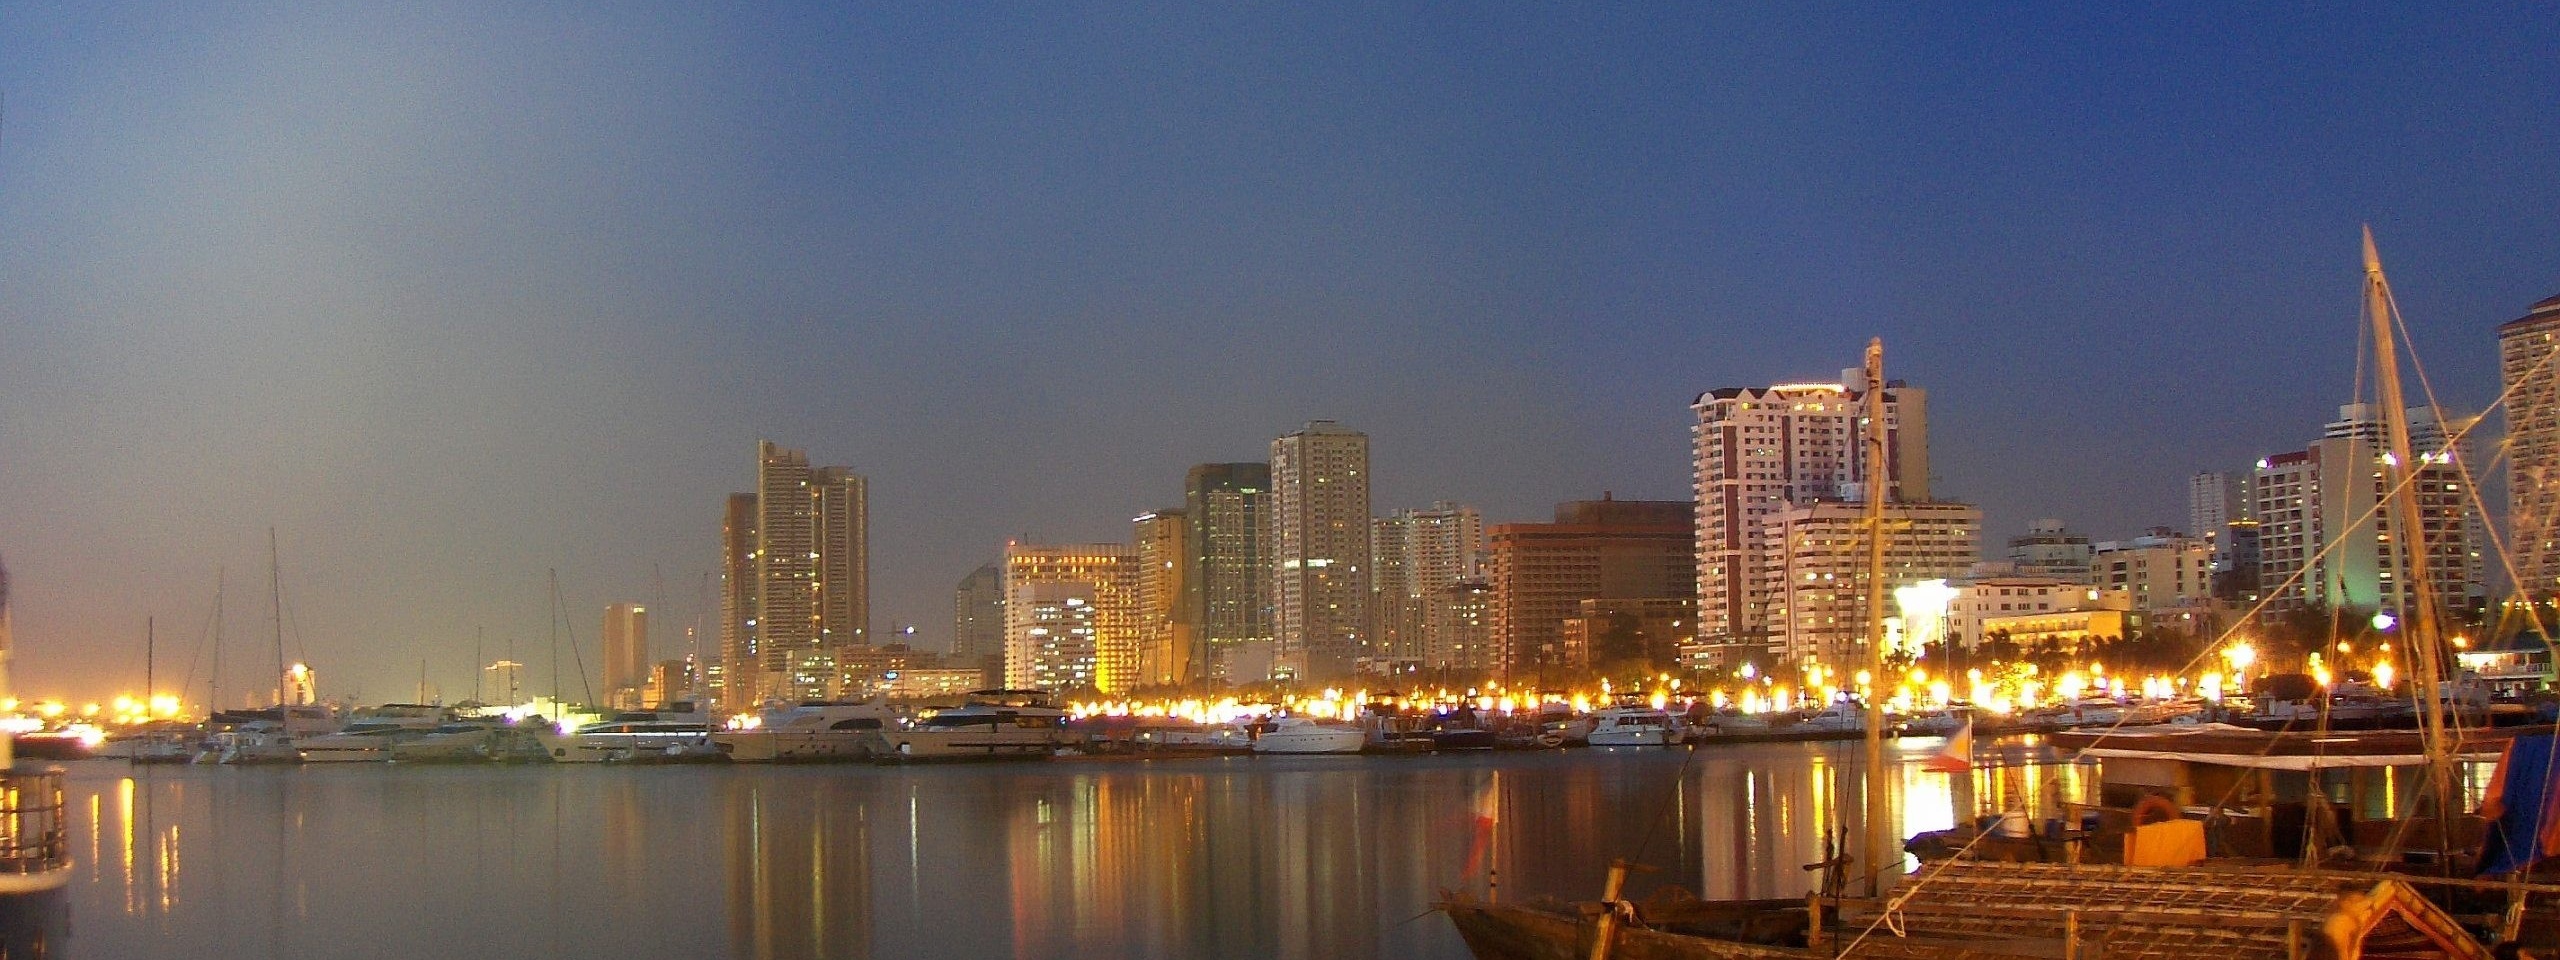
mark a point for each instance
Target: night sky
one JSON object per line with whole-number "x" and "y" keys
{"x": 453, "y": 295}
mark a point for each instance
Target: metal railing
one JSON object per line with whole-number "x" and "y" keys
{"x": 32, "y": 838}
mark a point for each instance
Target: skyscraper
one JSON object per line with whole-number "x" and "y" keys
{"x": 2527, "y": 347}
{"x": 1756, "y": 450}
{"x": 1165, "y": 631}
{"x": 1319, "y": 551}
{"x": 977, "y": 614}
{"x": 1418, "y": 554}
{"x": 735, "y": 681}
{"x": 1100, "y": 576}
{"x": 797, "y": 581}
{"x": 1229, "y": 591}
{"x": 626, "y": 655}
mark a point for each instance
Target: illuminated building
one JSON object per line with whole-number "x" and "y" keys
{"x": 930, "y": 683}
{"x": 1415, "y": 556}
{"x": 2321, "y": 542}
{"x": 2068, "y": 630}
{"x": 669, "y": 681}
{"x": 1165, "y": 634}
{"x": 796, "y": 580}
{"x": 1980, "y": 600}
{"x": 977, "y": 614}
{"x": 1070, "y": 616}
{"x": 1606, "y": 549}
{"x": 2215, "y": 503}
{"x": 2526, "y": 346}
{"x": 1755, "y": 450}
{"x": 1464, "y": 643}
{"x": 2160, "y": 572}
{"x": 1319, "y": 552}
{"x": 1815, "y": 566}
{"x": 1229, "y": 590}
{"x": 626, "y": 655}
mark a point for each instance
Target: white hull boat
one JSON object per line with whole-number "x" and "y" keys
{"x": 1299, "y": 735}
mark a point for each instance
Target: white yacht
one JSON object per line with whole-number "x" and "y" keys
{"x": 812, "y": 732}
{"x": 371, "y": 734}
{"x": 1634, "y": 727}
{"x": 450, "y": 743}
{"x": 678, "y": 731}
{"x": 272, "y": 735}
{"x": 1301, "y": 735}
{"x": 994, "y": 723}
{"x": 1846, "y": 716}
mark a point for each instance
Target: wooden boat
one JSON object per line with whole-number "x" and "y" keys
{"x": 1972, "y": 910}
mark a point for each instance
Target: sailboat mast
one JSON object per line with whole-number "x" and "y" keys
{"x": 2409, "y": 541}
{"x": 275, "y": 598}
{"x": 150, "y": 663}
{"x": 213, "y": 687}
{"x": 1877, "y": 483}
{"x": 555, "y": 638}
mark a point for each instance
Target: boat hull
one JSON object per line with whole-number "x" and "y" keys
{"x": 785, "y": 746}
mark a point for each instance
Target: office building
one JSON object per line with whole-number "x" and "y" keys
{"x": 1756, "y": 450}
{"x": 796, "y": 580}
{"x": 733, "y": 678}
{"x": 1319, "y": 552}
{"x": 1607, "y": 549}
{"x": 1166, "y": 637}
{"x": 2051, "y": 550}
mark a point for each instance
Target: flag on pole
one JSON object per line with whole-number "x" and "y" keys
{"x": 1958, "y": 755}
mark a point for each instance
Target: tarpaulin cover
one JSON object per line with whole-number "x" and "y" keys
{"x": 2523, "y": 807}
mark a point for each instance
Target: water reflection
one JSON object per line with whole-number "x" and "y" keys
{"x": 1280, "y": 857}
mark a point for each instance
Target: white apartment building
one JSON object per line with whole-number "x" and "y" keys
{"x": 1319, "y": 552}
{"x": 1816, "y": 566}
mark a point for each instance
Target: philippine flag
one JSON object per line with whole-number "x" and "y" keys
{"x": 1958, "y": 756}
{"x": 1488, "y": 811}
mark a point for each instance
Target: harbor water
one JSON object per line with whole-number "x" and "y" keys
{"x": 1211, "y": 857}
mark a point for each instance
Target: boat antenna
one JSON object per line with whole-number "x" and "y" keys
{"x": 1876, "y": 488}
{"x": 2409, "y": 542}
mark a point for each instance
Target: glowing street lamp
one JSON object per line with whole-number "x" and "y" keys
{"x": 2240, "y": 656}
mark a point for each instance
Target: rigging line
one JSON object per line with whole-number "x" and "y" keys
{"x": 195, "y": 654}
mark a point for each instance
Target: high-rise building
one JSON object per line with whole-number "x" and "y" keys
{"x": 626, "y": 655}
{"x": 1319, "y": 551}
{"x": 735, "y": 681}
{"x": 1608, "y": 549}
{"x": 2163, "y": 572}
{"x": 1039, "y": 583}
{"x": 2323, "y": 541}
{"x": 1464, "y": 643}
{"x": 797, "y": 580}
{"x": 1756, "y": 450}
{"x": 1815, "y": 571}
{"x": 2214, "y": 502}
{"x": 1166, "y": 636}
{"x": 977, "y": 614}
{"x": 842, "y": 510}
{"x": 1416, "y": 555}
{"x": 2527, "y": 363}
{"x": 1229, "y": 591}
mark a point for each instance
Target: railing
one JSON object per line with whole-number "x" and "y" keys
{"x": 32, "y": 839}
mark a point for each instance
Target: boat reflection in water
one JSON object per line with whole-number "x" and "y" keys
{"x": 1222, "y": 856}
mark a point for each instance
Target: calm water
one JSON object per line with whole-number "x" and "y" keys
{"x": 1259, "y": 857}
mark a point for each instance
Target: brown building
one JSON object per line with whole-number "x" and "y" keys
{"x": 1606, "y": 549}
{"x": 1604, "y": 633}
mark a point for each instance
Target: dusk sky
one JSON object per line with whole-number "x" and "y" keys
{"x": 453, "y": 295}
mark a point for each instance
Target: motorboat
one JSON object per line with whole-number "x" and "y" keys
{"x": 1221, "y": 738}
{"x": 993, "y": 724}
{"x": 810, "y": 732}
{"x": 253, "y": 743}
{"x": 1302, "y": 735}
{"x": 371, "y": 733}
{"x": 679, "y": 731}
{"x": 1845, "y": 717}
{"x": 1635, "y": 726}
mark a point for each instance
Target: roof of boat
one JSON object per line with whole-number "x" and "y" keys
{"x": 2228, "y": 914}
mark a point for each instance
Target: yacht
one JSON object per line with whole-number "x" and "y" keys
{"x": 992, "y": 724}
{"x": 679, "y": 731}
{"x": 811, "y": 732}
{"x": 1634, "y": 726}
{"x": 272, "y": 735}
{"x": 1843, "y": 717}
{"x": 449, "y": 743}
{"x": 372, "y": 733}
{"x": 1301, "y": 735}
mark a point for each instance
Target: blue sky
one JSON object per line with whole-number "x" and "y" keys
{"x": 455, "y": 295}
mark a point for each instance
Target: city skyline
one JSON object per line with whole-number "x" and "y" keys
{"x": 451, "y": 304}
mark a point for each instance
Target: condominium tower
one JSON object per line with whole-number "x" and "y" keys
{"x": 796, "y": 580}
{"x": 1319, "y": 551}
{"x": 1040, "y": 583}
{"x": 1417, "y": 556}
{"x": 1228, "y": 508}
{"x": 626, "y": 655}
{"x": 2529, "y": 363}
{"x": 1757, "y": 450}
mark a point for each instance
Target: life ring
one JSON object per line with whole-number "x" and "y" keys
{"x": 2154, "y": 808}
{"x": 1551, "y": 740}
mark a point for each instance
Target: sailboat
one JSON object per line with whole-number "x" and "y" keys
{"x": 1969, "y": 909}
{"x": 270, "y": 736}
